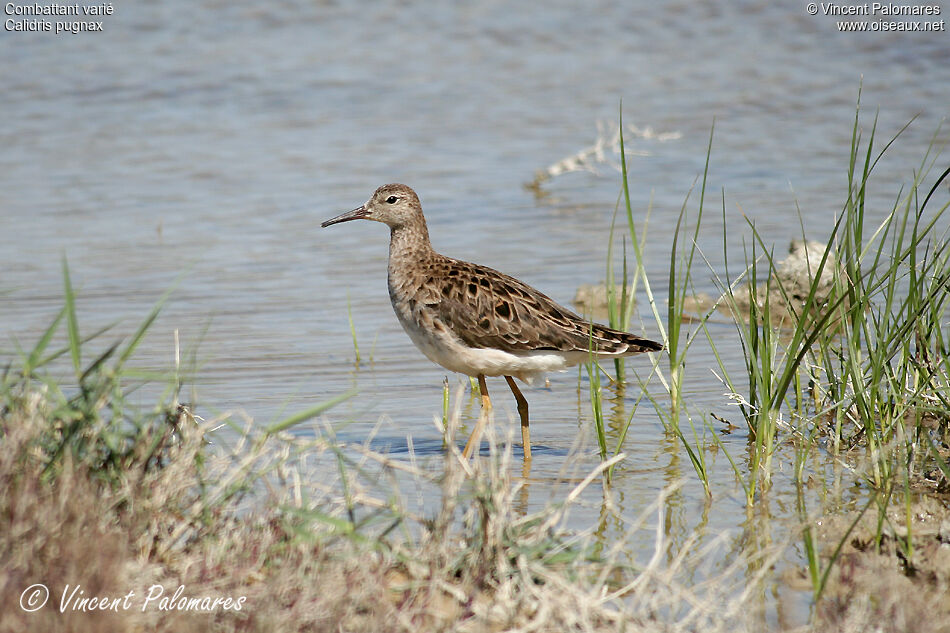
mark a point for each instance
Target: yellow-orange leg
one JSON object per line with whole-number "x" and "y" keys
{"x": 476, "y": 436}
{"x": 523, "y": 412}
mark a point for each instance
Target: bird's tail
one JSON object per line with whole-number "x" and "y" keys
{"x": 615, "y": 343}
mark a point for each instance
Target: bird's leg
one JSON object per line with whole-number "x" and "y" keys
{"x": 523, "y": 412}
{"x": 476, "y": 436}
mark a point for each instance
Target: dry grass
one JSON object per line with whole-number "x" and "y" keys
{"x": 253, "y": 521}
{"x": 99, "y": 496}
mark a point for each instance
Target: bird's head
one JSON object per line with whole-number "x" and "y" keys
{"x": 394, "y": 205}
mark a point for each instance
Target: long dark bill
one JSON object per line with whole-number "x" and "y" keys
{"x": 356, "y": 214}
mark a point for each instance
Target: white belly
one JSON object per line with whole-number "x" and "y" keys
{"x": 445, "y": 349}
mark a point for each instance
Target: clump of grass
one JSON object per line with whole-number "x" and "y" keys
{"x": 93, "y": 421}
{"x": 856, "y": 357}
{"x": 872, "y": 350}
{"x": 671, "y": 326}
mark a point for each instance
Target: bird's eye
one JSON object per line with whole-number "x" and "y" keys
{"x": 391, "y": 199}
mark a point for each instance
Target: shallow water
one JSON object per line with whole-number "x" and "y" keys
{"x": 202, "y": 146}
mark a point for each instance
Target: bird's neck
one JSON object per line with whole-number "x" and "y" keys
{"x": 409, "y": 243}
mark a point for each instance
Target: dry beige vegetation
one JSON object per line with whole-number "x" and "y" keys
{"x": 235, "y": 523}
{"x": 191, "y": 514}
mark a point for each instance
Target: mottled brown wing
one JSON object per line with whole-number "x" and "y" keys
{"x": 487, "y": 308}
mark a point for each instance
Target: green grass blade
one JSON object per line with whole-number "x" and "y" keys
{"x": 72, "y": 325}
{"x": 36, "y": 354}
{"x": 143, "y": 328}
{"x": 96, "y": 364}
{"x": 307, "y": 414}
